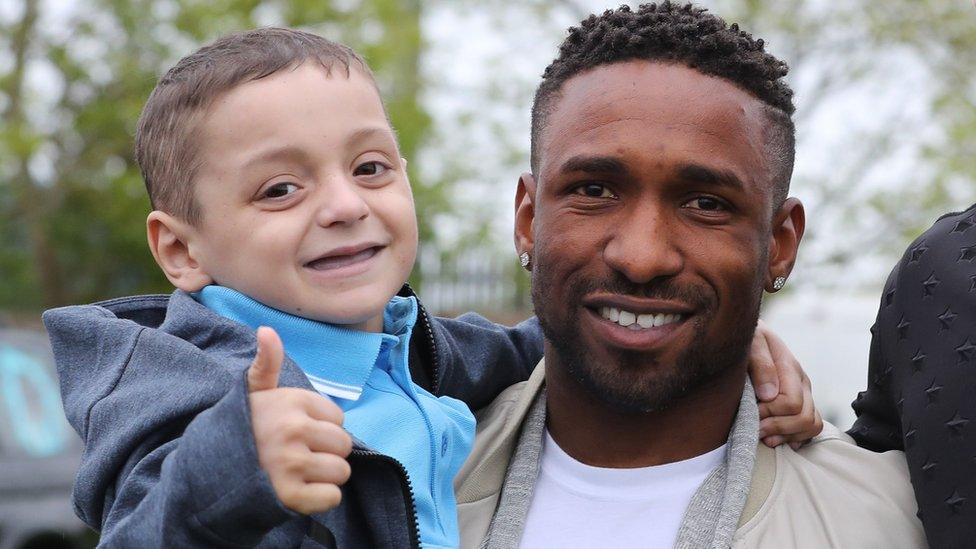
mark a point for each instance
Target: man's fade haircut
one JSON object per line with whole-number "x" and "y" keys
{"x": 166, "y": 147}
{"x": 679, "y": 34}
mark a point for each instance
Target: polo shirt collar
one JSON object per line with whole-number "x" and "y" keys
{"x": 336, "y": 360}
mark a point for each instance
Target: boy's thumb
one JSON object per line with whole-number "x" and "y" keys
{"x": 263, "y": 373}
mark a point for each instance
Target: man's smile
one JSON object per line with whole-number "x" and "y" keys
{"x": 632, "y": 331}
{"x": 636, "y": 321}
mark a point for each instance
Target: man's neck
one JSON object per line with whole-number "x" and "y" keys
{"x": 593, "y": 433}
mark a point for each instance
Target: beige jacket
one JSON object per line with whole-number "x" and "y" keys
{"x": 830, "y": 493}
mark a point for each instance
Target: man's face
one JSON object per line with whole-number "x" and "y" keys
{"x": 305, "y": 200}
{"x": 649, "y": 229}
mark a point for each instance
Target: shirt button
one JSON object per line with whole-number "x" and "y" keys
{"x": 443, "y": 444}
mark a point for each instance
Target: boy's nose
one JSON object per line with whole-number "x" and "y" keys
{"x": 341, "y": 204}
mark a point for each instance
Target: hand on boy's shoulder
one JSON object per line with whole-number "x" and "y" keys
{"x": 300, "y": 440}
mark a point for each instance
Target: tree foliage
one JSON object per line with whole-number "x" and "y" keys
{"x": 874, "y": 170}
{"x": 73, "y": 211}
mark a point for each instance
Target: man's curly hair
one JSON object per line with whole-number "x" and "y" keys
{"x": 681, "y": 34}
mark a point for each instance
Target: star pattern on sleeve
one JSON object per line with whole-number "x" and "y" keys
{"x": 922, "y": 378}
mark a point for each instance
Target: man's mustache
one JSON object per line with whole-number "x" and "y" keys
{"x": 663, "y": 289}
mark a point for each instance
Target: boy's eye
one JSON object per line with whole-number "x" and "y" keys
{"x": 279, "y": 190}
{"x": 705, "y": 203}
{"x": 595, "y": 190}
{"x": 370, "y": 168}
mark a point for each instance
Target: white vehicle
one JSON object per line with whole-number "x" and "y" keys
{"x": 39, "y": 452}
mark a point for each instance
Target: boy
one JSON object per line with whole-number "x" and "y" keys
{"x": 280, "y": 199}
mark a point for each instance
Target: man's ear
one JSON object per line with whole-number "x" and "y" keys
{"x": 169, "y": 241}
{"x": 524, "y": 213}
{"x": 784, "y": 242}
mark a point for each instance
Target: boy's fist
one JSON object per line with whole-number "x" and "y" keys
{"x": 299, "y": 435}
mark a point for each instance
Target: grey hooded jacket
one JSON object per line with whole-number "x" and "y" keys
{"x": 156, "y": 388}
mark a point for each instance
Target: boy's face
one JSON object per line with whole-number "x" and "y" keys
{"x": 305, "y": 199}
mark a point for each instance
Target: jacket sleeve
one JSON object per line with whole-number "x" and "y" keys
{"x": 182, "y": 472}
{"x": 477, "y": 359}
{"x": 922, "y": 376}
{"x": 878, "y": 426}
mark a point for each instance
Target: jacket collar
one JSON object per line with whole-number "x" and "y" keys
{"x": 485, "y": 478}
{"x": 181, "y": 315}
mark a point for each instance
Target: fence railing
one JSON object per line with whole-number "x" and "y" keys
{"x": 480, "y": 279}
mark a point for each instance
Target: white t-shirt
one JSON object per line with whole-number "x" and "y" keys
{"x": 576, "y": 505}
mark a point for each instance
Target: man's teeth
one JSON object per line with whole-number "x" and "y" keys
{"x": 635, "y": 321}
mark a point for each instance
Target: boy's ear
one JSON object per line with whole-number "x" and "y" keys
{"x": 525, "y": 213}
{"x": 169, "y": 241}
{"x": 784, "y": 242}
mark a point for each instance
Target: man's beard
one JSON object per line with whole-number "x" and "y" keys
{"x": 635, "y": 382}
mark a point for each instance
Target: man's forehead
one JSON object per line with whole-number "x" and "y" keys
{"x": 656, "y": 86}
{"x": 654, "y": 108}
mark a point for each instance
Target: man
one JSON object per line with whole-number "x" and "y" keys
{"x": 655, "y": 215}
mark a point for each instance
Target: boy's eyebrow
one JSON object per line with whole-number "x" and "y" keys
{"x": 290, "y": 152}
{"x": 284, "y": 152}
{"x": 364, "y": 134}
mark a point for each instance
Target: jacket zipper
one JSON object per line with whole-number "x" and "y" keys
{"x": 435, "y": 383}
{"x": 405, "y": 487}
{"x": 435, "y": 367}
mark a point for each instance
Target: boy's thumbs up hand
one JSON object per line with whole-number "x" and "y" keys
{"x": 264, "y": 371}
{"x": 299, "y": 436}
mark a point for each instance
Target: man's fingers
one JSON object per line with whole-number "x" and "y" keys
{"x": 762, "y": 369}
{"x": 263, "y": 373}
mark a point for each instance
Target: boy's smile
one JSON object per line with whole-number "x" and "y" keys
{"x": 305, "y": 199}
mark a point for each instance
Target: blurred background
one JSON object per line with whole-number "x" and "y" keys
{"x": 885, "y": 115}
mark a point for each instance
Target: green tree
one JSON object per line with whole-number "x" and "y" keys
{"x": 72, "y": 202}
{"x": 886, "y": 113}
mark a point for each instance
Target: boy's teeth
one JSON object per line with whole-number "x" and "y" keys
{"x": 635, "y": 321}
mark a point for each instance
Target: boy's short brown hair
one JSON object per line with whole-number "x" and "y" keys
{"x": 165, "y": 137}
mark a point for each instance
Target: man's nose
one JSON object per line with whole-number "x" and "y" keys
{"x": 644, "y": 247}
{"x": 341, "y": 203}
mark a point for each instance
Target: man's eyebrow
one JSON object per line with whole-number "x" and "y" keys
{"x": 696, "y": 173}
{"x": 595, "y": 164}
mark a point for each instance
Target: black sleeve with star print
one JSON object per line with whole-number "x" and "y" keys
{"x": 921, "y": 394}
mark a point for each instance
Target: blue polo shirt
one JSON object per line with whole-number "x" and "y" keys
{"x": 367, "y": 375}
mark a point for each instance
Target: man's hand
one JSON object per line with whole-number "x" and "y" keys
{"x": 301, "y": 443}
{"x": 786, "y": 408}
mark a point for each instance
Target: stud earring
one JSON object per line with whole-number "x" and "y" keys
{"x": 778, "y": 283}
{"x": 525, "y": 260}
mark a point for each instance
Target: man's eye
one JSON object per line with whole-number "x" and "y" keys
{"x": 595, "y": 190}
{"x": 279, "y": 190}
{"x": 705, "y": 203}
{"x": 370, "y": 168}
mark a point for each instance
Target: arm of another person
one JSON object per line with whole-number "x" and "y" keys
{"x": 921, "y": 393}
